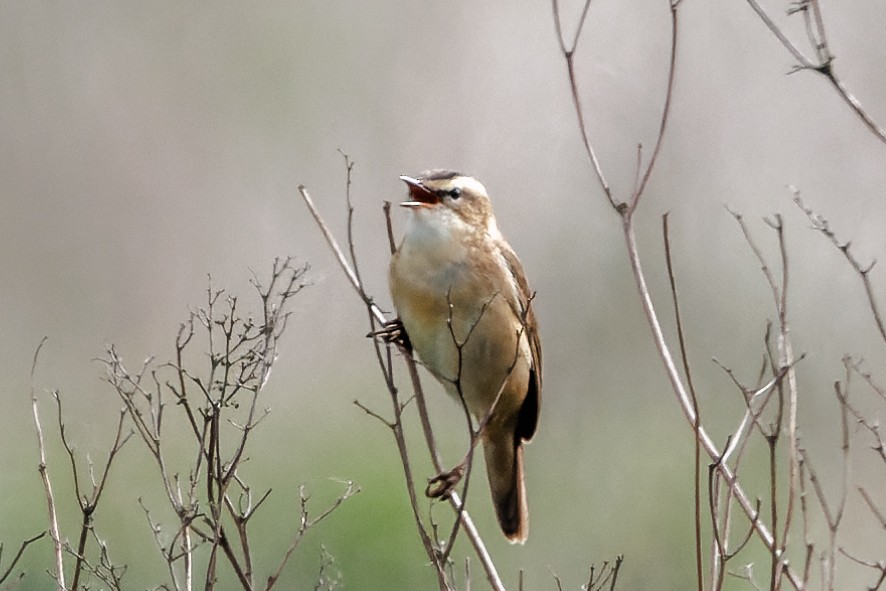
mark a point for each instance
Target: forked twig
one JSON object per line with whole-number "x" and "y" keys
{"x": 569, "y": 55}
{"x": 21, "y": 550}
{"x": 785, "y": 362}
{"x": 820, "y": 224}
{"x": 306, "y": 523}
{"x": 824, "y": 61}
{"x": 626, "y": 211}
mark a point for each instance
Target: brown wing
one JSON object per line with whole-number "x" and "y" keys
{"x": 528, "y": 418}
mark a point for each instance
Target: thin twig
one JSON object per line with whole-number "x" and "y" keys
{"x": 305, "y": 523}
{"x": 340, "y": 257}
{"x": 881, "y": 517}
{"x": 820, "y": 224}
{"x": 569, "y": 55}
{"x": 686, "y": 402}
{"x": 665, "y": 113}
{"x": 59, "y": 574}
{"x": 780, "y": 35}
{"x": 626, "y": 211}
{"x": 824, "y": 63}
{"x": 21, "y": 550}
{"x": 786, "y": 360}
{"x": 688, "y": 373}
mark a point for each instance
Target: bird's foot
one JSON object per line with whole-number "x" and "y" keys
{"x": 393, "y": 331}
{"x": 442, "y": 485}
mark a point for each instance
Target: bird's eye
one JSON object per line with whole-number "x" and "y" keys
{"x": 454, "y": 193}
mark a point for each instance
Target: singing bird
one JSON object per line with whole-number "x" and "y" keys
{"x": 463, "y": 299}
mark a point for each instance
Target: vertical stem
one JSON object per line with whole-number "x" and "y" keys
{"x": 47, "y": 484}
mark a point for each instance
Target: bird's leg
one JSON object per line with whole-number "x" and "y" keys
{"x": 442, "y": 485}
{"x": 393, "y": 331}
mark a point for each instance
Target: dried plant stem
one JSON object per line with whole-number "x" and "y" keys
{"x": 820, "y": 224}
{"x": 823, "y": 64}
{"x": 684, "y": 357}
{"x": 785, "y": 362}
{"x": 213, "y": 503}
{"x": 21, "y": 550}
{"x": 57, "y": 542}
{"x": 686, "y": 406}
{"x": 340, "y": 256}
{"x": 665, "y": 113}
{"x": 626, "y": 211}
{"x": 569, "y": 55}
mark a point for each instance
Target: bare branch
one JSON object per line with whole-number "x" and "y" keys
{"x": 21, "y": 550}
{"x": 306, "y": 523}
{"x": 873, "y": 506}
{"x": 824, "y": 61}
{"x": 684, "y": 357}
{"x": 879, "y": 566}
{"x": 59, "y": 574}
{"x": 821, "y": 224}
{"x": 340, "y": 257}
{"x": 569, "y": 56}
{"x": 665, "y": 114}
{"x": 780, "y": 35}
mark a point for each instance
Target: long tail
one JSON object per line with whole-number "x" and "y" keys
{"x": 504, "y": 468}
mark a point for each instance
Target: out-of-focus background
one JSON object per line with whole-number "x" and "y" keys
{"x": 146, "y": 145}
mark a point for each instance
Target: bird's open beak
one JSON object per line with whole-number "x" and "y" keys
{"x": 418, "y": 194}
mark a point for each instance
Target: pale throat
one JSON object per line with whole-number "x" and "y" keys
{"x": 432, "y": 226}
{"x": 437, "y": 233}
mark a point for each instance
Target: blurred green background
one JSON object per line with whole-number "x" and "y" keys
{"x": 145, "y": 145}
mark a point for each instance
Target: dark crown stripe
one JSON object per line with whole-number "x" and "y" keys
{"x": 439, "y": 175}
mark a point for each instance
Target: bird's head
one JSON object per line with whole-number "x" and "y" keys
{"x": 464, "y": 196}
